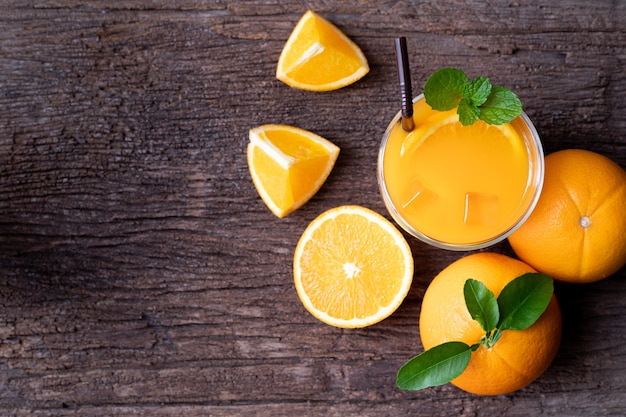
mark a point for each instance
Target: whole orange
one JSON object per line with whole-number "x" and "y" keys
{"x": 577, "y": 231}
{"x": 514, "y": 361}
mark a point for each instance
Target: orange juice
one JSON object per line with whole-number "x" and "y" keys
{"x": 460, "y": 187}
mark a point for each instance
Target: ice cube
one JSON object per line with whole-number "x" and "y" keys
{"x": 481, "y": 209}
{"x": 420, "y": 195}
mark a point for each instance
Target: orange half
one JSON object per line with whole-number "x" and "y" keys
{"x": 352, "y": 267}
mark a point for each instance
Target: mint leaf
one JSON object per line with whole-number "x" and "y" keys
{"x": 436, "y": 366}
{"x": 523, "y": 300}
{"x": 501, "y": 106}
{"x": 477, "y": 90}
{"x": 448, "y": 88}
{"x": 481, "y": 304}
{"x": 468, "y": 113}
{"x": 444, "y": 88}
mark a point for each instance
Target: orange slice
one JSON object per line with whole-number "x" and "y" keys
{"x": 320, "y": 57}
{"x": 288, "y": 165}
{"x": 352, "y": 267}
{"x": 447, "y": 123}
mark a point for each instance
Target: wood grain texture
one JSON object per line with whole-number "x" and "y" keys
{"x": 140, "y": 273}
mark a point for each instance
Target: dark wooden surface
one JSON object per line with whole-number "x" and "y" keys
{"x": 140, "y": 273}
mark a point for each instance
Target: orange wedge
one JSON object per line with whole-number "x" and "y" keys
{"x": 352, "y": 267}
{"x": 447, "y": 123}
{"x": 288, "y": 165}
{"x": 320, "y": 57}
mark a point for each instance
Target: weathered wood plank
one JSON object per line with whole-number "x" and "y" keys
{"x": 140, "y": 274}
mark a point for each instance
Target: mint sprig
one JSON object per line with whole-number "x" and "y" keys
{"x": 475, "y": 100}
{"x": 520, "y": 303}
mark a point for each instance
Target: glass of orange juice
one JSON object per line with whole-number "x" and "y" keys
{"x": 460, "y": 187}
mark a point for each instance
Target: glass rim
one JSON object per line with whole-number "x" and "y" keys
{"x": 536, "y": 177}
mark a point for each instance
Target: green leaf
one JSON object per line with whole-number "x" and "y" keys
{"x": 468, "y": 113}
{"x": 444, "y": 88}
{"x": 436, "y": 366}
{"x": 481, "y": 304}
{"x": 448, "y": 88}
{"x": 523, "y": 300}
{"x": 477, "y": 90}
{"x": 501, "y": 106}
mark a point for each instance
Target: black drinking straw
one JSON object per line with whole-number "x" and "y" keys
{"x": 404, "y": 75}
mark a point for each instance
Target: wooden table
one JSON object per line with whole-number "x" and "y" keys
{"x": 140, "y": 273}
